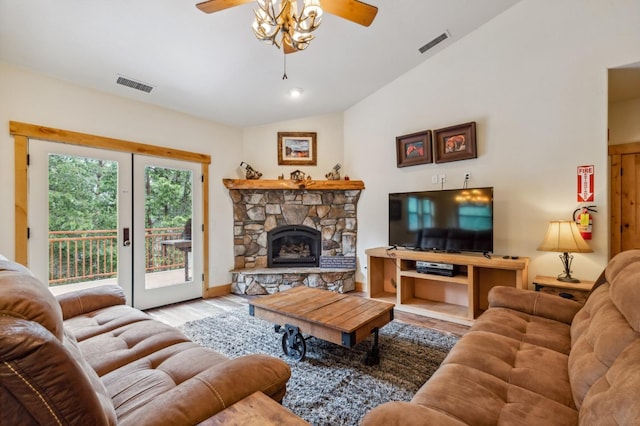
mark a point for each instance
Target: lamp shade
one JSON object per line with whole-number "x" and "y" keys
{"x": 563, "y": 236}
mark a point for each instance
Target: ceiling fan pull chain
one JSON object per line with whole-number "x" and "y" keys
{"x": 284, "y": 76}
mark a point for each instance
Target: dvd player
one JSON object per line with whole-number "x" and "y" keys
{"x": 444, "y": 269}
{"x": 435, "y": 265}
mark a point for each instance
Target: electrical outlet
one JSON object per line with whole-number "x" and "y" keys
{"x": 443, "y": 178}
{"x": 467, "y": 176}
{"x": 434, "y": 179}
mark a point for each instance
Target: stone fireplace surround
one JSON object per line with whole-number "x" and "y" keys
{"x": 262, "y": 205}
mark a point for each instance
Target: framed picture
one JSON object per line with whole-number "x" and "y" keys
{"x": 455, "y": 143}
{"x": 297, "y": 148}
{"x": 414, "y": 149}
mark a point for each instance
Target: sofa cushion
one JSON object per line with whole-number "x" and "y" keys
{"x": 115, "y": 336}
{"x": 104, "y": 320}
{"x": 534, "y": 303}
{"x": 620, "y": 262}
{"x": 126, "y": 344}
{"x": 526, "y": 328}
{"x": 613, "y": 399}
{"x": 476, "y": 397}
{"x": 186, "y": 383}
{"x": 23, "y": 296}
{"x": 532, "y": 367}
{"x": 625, "y": 294}
{"x": 600, "y": 331}
{"x": 90, "y": 299}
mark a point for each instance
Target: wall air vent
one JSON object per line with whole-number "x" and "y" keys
{"x": 134, "y": 84}
{"x": 442, "y": 37}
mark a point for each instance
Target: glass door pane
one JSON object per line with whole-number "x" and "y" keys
{"x": 77, "y": 242}
{"x": 168, "y": 268}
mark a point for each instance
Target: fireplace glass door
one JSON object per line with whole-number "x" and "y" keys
{"x": 293, "y": 246}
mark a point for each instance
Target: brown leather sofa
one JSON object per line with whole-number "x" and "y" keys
{"x": 538, "y": 359}
{"x": 86, "y": 358}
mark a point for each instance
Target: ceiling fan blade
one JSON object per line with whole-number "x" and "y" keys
{"x": 351, "y": 10}
{"x": 212, "y": 6}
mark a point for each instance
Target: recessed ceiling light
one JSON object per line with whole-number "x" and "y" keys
{"x": 296, "y": 92}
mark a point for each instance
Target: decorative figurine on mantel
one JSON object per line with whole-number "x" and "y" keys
{"x": 334, "y": 174}
{"x": 250, "y": 172}
{"x": 297, "y": 175}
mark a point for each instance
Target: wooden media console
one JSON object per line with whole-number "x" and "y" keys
{"x": 392, "y": 277}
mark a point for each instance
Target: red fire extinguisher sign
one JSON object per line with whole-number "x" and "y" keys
{"x": 585, "y": 183}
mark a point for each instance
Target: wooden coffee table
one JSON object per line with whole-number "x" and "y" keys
{"x": 335, "y": 317}
{"x": 255, "y": 410}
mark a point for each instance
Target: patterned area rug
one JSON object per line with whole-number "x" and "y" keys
{"x": 332, "y": 386}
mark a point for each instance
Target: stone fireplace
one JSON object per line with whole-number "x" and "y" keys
{"x": 284, "y": 229}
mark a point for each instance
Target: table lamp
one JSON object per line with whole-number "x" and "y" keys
{"x": 563, "y": 236}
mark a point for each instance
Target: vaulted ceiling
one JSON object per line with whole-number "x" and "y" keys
{"x": 212, "y": 66}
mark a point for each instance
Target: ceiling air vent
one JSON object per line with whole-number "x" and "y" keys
{"x": 134, "y": 84}
{"x": 442, "y": 37}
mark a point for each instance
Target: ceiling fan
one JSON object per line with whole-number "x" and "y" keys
{"x": 278, "y": 21}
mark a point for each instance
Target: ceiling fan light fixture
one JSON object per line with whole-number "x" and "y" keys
{"x": 311, "y": 16}
{"x": 278, "y": 22}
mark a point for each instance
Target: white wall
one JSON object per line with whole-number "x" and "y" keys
{"x": 535, "y": 81}
{"x": 624, "y": 122}
{"x": 260, "y": 146}
{"x": 32, "y": 98}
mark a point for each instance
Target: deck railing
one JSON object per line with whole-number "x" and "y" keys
{"x": 77, "y": 256}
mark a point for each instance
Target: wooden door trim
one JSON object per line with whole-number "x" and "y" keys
{"x": 32, "y": 131}
{"x": 23, "y": 132}
{"x": 21, "y": 175}
{"x": 615, "y": 192}
{"x": 625, "y": 148}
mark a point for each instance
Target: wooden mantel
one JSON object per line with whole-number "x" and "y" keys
{"x": 309, "y": 184}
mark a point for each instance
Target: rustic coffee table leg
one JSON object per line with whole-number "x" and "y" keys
{"x": 373, "y": 355}
{"x": 293, "y": 343}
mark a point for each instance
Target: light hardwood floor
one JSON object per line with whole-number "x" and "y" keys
{"x": 180, "y": 313}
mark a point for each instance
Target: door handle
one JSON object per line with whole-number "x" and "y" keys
{"x": 126, "y": 240}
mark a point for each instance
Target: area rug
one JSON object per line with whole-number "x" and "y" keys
{"x": 332, "y": 386}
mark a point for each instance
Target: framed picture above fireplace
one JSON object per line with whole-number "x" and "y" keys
{"x": 297, "y": 148}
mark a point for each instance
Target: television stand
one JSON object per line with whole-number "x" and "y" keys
{"x": 392, "y": 277}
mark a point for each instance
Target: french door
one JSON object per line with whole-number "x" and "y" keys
{"x": 99, "y": 216}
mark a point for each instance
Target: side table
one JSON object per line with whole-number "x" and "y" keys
{"x": 574, "y": 291}
{"x": 255, "y": 410}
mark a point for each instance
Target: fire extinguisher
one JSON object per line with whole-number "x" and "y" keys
{"x": 584, "y": 220}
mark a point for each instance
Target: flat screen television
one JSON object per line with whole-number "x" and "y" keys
{"x": 453, "y": 220}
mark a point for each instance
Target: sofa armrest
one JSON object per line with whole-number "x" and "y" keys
{"x": 216, "y": 388}
{"x": 408, "y": 414}
{"x": 534, "y": 303}
{"x": 90, "y": 299}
